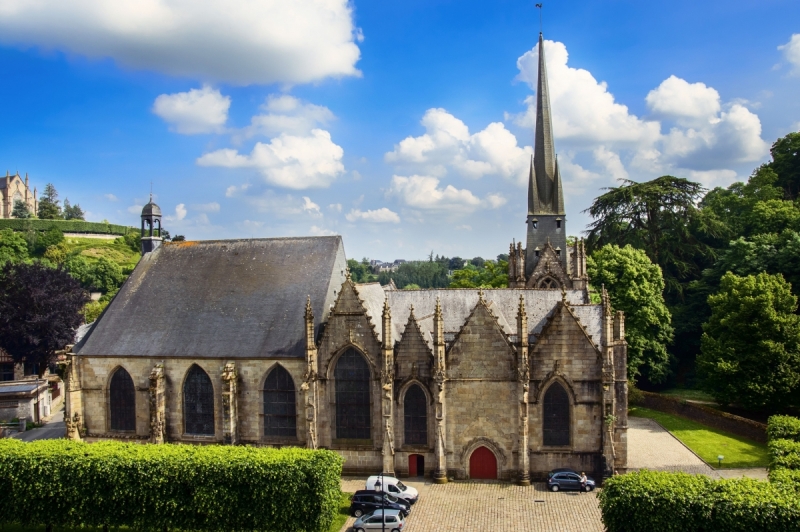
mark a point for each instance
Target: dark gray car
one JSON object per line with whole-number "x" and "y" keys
{"x": 567, "y": 479}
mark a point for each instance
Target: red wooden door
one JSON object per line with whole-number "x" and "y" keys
{"x": 482, "y": 464}
{"x": 412, "y": 465}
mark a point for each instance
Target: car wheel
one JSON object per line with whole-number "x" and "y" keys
{"x": 360, "y": 530}
{"x": 358, "y": 513}
{"x": 554, "y": 488}
{"x": 395, "y": 530}
{"x": 589, "y": 488}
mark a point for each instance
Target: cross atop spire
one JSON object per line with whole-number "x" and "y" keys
{"x": 544, "y": 181}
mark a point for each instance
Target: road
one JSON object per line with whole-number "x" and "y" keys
{"x": 51, "y": 430}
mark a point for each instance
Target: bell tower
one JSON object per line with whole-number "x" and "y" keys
{"x": 151, "y": 227}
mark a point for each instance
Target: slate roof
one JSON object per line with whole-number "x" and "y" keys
{"x": 221, "y": 299}
{"x": 457, "y": 304}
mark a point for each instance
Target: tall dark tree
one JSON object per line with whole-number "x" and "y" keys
{"x": 20, "y": 210}
{"x": 659, "y": 217}
{"x": 49, "y": 208}
{"x": 40, "y": 308}
{"x": 72, "y": 212}
{"x": 786, "y": 163}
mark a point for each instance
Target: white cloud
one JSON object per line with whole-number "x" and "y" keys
{"x": 233, "y": 190}
{"x": 424, "y": 192}
{"x": 691, "y": 102}
{"x": 791, "y": 51}
{"x": 336, "y": 207}
{"x": 203, "y": 110}
{"x": 382, "y": 215}
{"x": 448, "y": 144}
{"x": 311, "y": 207}
{"x": 290, "y": 161}
{"x": 110, "y": 197}
{"x": 180, "y": 214}
{"x": 286, "y": 114}
{"x": 320, "y": 231}
{"x": 206, "y": 207}
{"x": 135, "y": 209}
{"x": 260, "y": 42}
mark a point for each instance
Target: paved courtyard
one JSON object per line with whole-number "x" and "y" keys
{"x": 497, "y": 506}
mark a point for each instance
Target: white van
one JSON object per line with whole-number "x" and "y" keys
{"x": 394, "y": 487}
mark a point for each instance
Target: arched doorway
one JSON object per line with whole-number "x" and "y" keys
{"x": 416, "y": 465}
{"x": 482, "y": 464}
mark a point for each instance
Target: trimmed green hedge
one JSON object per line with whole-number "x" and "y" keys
{"x": 679, "y": 502}
{"x": 786, "y": 479}
{"x": 783, "y": 428}
{"x": 784, "y": 454}
{"x": 65, "y": 226}
{"x": 153, "y": 487}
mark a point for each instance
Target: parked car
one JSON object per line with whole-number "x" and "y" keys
{"x": 567, "y": 479}
{"x": 367, "y": 501}
{"x": 392, "y": 521}
{"x": 394, "y": 487}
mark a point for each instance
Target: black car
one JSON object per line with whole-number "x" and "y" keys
{"x": 365, "y": 501}
{"x": 567, "y": 479}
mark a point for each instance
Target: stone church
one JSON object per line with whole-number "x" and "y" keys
{"x": 12, "y": 189}
{"x": 269, "y": 342}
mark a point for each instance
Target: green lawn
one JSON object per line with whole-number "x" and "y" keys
{"x": 708, "y": 442}
{"x": 344, "y": 513}
{"x": 691, "y": 395}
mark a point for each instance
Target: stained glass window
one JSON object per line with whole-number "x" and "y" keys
{"x": 556, "y": 416}
{"x": 122, "y": 399}
{"x": 415, "y": 410}
{"x": 280, "y": 411}
{"x": 198, "y": 403}
{"x": 352, "y": 396}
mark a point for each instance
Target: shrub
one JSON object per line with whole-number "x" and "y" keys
{"x": 784, "y": 453}
{"x": 66, "y": 226}
{"x": 663, "y": 501}
{"x": 149, "y": 487}
{"x": 788, "y": 479}
{"x": 783, "y": 428}
{"x": 635, "y": 395}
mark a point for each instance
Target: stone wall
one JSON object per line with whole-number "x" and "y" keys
{"x": 746, "y": 428}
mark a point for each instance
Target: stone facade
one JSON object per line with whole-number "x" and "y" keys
{"x": 13, "y": 188}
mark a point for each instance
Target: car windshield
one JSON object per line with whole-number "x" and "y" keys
{"x": 390, "y": 498}
{"x": 401, "y": 486}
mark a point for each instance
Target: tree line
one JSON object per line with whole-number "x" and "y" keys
{"x": 49, "y": 207}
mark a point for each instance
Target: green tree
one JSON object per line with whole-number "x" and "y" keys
{"x": 361, "y": 272}
{"x": 659, "y": 217}
{"x": 78, "y": 267}
{"x": 427, "y": 274}
{"x": 104, "y": 275}
{"x": 134, "y": 240}
{"x": 635, "y": 286}
{"x": 20, "y": 210}
{"x": 51, "y": 237}
{"x": 750, "y": 352}
{"x": 178, "y": 238}
{"x": 49, "y": 208}
{"x": 492, "y": 275}
{"x": 786, "y": 163}
{"x": 13, "y": 247}
{"x": 72, "y": 212}
{"x": 40, "y": 309}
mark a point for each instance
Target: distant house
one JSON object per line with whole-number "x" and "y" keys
{"x": 26, "y": 399}
{"x": 12, "y": 189}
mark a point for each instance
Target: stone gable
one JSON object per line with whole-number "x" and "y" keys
{"x": 481, "y": 349}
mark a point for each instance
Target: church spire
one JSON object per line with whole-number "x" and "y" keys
{"x": 544, "y": 187}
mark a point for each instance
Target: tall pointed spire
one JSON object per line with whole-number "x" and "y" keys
{"x": 545, "y": 187}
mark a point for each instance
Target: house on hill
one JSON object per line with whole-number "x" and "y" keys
{"x": 12, "y": 189}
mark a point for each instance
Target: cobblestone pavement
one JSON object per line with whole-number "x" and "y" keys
{"x": 496, "y": 506}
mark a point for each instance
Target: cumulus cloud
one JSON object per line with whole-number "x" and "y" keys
{"x": 447, "y": 144}
{"x": 684, "y": 101}
{"x": 336, "y": 207}
{"x": 260, "y": 42}
{"x": 321, "y": 231}
{"x": 791, "y": 51}
{"x": 424, "y": 192}
{"x": 203, "y": 110}
{"x": 382, "y": 215}
{"x": 291, "y": 161}
{"x": 110, "y": 197}
{"x": 180, "y": 213}
{"x": 286, "y": 114}
{"x": 311, "y": 207}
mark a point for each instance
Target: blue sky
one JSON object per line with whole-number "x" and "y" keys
{"x": 404, "y": 126}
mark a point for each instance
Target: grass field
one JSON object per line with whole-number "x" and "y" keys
{"x": 113, "y": 250}
{"x": 708, "y": 442}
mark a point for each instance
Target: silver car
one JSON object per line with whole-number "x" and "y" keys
{"x": 392, "y": 521}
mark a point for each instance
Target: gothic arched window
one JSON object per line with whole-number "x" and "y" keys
{"x": 415, "y": 412}
{"x": 122, "y": 401}
{"x": 198, "y": 403}
{"x": 548, "y": 282}
{"x": 280, "y": 411}
{"x": 353, "y": 420}
{"x": 556, "y": 416}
